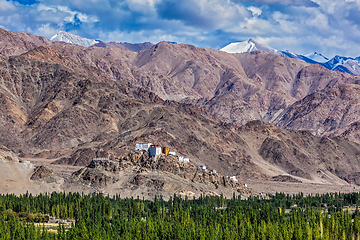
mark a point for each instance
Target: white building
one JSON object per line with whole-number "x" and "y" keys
{"x": 54, "y": 220}
{"x": 154, "y": 150}
{"x": 182, "y": 159}
{"x": 143, "y": 146}
{"x": 172, "y": 153}
{"x": 233, "y": 178}
{"x": 202, "y": 167}
{"x": 101, "y": 159}
{"x": 213, "y": 171}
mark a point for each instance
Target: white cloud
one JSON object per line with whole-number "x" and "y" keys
{"x": 6, "y": 6}
{"x": 46, "y": 30}
{"x": 141, "y": 36}
{"x": 298, "y": 25}
{"x": 255, "y": 11}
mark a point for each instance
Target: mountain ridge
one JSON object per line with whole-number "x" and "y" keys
{"x": 339, "y": 63}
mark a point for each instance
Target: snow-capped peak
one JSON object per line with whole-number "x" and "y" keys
{"x": 318, "y": 57}
{"x": 343, "y": 64}
{"x": 247, "y": 46}
{"x": 73, "y": 39}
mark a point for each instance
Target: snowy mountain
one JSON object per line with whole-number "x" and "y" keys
{"x": 344, "y": 64}
{"x": 317, "y": 57}
{"x": 73, "y": 39}
{"x": 248, "y": 46}
{"x": 338, "y": 63}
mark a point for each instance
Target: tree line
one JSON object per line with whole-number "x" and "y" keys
{"x": 99, "y": 216}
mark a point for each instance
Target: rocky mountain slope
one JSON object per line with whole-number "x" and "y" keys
{"x": 233, "y": 87}
{"x": 135, "y": 47}
{"x": 299, "y": 153}
{"x": 329, "y": 112}
{"x": 15, "y": 43}
{"x": 60, "y": 108}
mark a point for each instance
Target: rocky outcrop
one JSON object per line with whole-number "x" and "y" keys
{"x": 7, "y": 156}
{"x": 301, "y": 154}
{"x": 82, "y": 157}
{"x": 285, "y": 178}
{"x": 138, "y": 166}
{"x": 41, "y": 173}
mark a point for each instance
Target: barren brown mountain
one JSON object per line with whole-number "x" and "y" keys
{"x": 135, "y": 47}
{"x": 233, "y": 87}
{"x": 77, "y": 103}
{"x": 14, "y": 43}
{"x": 64, "y": 105}
{"x": 334, "y": 111}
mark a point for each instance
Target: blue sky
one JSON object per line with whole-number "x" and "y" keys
{"x": 328, "y": 26}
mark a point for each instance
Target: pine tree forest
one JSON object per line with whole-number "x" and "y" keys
{"x": 279, "y": 216}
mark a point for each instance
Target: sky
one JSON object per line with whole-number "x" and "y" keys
{"x": 331, "y": 27}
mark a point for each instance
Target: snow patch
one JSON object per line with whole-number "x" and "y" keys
{"x": 73, "y": 39}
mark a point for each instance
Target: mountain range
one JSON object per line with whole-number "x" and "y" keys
{"x": 337, "y": 63}
{"x": 255, "y": 115}
{"x": 86, "y": 42}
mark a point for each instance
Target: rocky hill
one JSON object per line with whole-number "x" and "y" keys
{"x": 139, "y": 175}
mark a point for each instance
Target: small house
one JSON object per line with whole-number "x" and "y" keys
{"x": 202, "y": 167}
{"x": 154, "y": 150}
{"x": 52, "y": 219}
{"x": 213, "y": 171}
{"x": 172, "y": 153}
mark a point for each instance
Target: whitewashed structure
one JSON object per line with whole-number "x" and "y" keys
{"x": 202, "y": 167}
{"x": 143, "y": 146}
{"x": 172, "y": 153}
{"x": 233, "y": 178}
{"x": 213, "y": 171}
{"x": 54, "y": 220}
{"x": 154, "y": 150}
{"x": 101, "y": 159}
{"x": 182, "y": 159}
